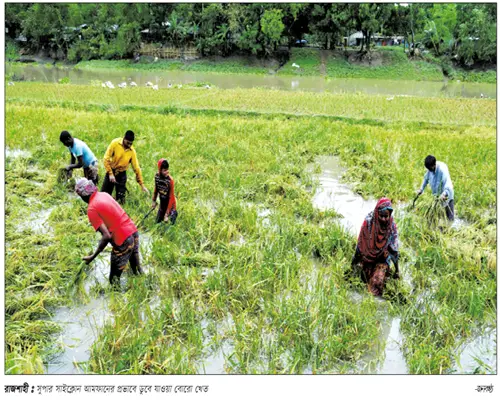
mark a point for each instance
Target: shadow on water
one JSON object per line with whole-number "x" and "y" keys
{"x": 229, "y": 81}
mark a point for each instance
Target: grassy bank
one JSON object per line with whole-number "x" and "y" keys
{"x": 233, "y": 65}
{"x": 388, "y": 63}
{"x": 268, "y": 296}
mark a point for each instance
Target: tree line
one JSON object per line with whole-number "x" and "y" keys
{"x": 465, "y": 32}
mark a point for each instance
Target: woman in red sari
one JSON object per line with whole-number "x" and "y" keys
{"x": 377, "y": 247}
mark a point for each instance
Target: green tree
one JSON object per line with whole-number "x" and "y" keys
{"x": 477, "y": 33}
{"x": 439, "y": 27}
{"x": 272, "y": 28}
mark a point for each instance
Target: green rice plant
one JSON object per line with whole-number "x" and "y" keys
{"x": 250, "y": 268}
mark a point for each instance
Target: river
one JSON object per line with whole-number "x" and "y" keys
{"x": 37, "y": 72}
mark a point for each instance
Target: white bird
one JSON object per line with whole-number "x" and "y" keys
{"x": 482, "y": 95}
{"x": 155, "y": 87}
{"x": 110, "y": 85}
{"x": 156, "y": 59}
{"x": 122, "y": 85}
{"x": 133, "y": 84}
{"x": 207, "y": 86}
{"x": 169, "y": 85}
{"x": 149, "y": 84}
{"x": 390, "y": 98}
{"x": 295, "y": 65}
{"x": 11, "y": 83}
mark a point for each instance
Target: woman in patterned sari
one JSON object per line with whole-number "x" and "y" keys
{"x": 377, "y": 247}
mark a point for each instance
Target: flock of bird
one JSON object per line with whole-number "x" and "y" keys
{"x": 123, "y": 85}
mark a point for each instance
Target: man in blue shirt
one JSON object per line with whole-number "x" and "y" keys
{"x": 81, "y": 157}
{"x": 438, "y": 177}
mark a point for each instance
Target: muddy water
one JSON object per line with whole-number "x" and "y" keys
{"x": 333, "y": 194}
{"x": 230, "y": 81}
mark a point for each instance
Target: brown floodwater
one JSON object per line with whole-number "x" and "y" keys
{"x": 37, "y": 72}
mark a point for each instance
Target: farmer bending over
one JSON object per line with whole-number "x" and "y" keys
{"x": 164, "y": 186}
{"x": 119, "y": 155}
{"x": 107, "y": 217}
{"x": 438, "y": 177}
{"x": 81, "y": 156}
{"x": 377, "y": 247}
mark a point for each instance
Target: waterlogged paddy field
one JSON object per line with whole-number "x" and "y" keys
{"x": 251, "y": 278}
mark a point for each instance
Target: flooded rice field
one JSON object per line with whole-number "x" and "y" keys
{"x": 254, "y": 276}
{"x": 81, "y": 324}
{"x": 332, "y": 193}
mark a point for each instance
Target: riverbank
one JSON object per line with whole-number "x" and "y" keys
{"x": 387, "y": 63}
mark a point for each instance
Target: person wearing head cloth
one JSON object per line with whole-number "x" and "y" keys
{"x": 377, "y": 247}
{"x": 81, "y": 156}
{"x": 164, "y": 187}
{"x": 115, "y": 226}
{"x": 119, "y": 155}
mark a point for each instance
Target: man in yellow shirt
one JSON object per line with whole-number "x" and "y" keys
{"x": 119, "y": 155}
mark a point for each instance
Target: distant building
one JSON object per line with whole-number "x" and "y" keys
{"x": 379, "y": 40}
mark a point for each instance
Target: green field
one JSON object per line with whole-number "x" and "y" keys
{"x": 234, "y": 153}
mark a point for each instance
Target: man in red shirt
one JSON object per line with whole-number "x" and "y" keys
{"x": 107, "y": 217}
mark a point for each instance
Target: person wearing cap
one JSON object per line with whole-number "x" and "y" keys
{"x": 119, "y": 155}
{"x": 81, "y": 156}
{"x": 115, "y": 226}
{"x": 164, "y": 187}
{"x": 377, "y": 247}
{"x": 438, "y": 178}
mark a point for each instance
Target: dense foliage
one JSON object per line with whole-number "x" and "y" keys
{"x": 464, "y": 32}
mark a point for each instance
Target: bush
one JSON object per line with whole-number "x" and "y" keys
{"x": 11, "y": 51}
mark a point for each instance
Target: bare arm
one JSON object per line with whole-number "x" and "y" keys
{"x": 75, "y": 164}
{"x": 105, "y": 239}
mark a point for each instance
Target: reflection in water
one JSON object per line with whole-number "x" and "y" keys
{"x": 332, "y": 194}
{"x": 230, "y": 81}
